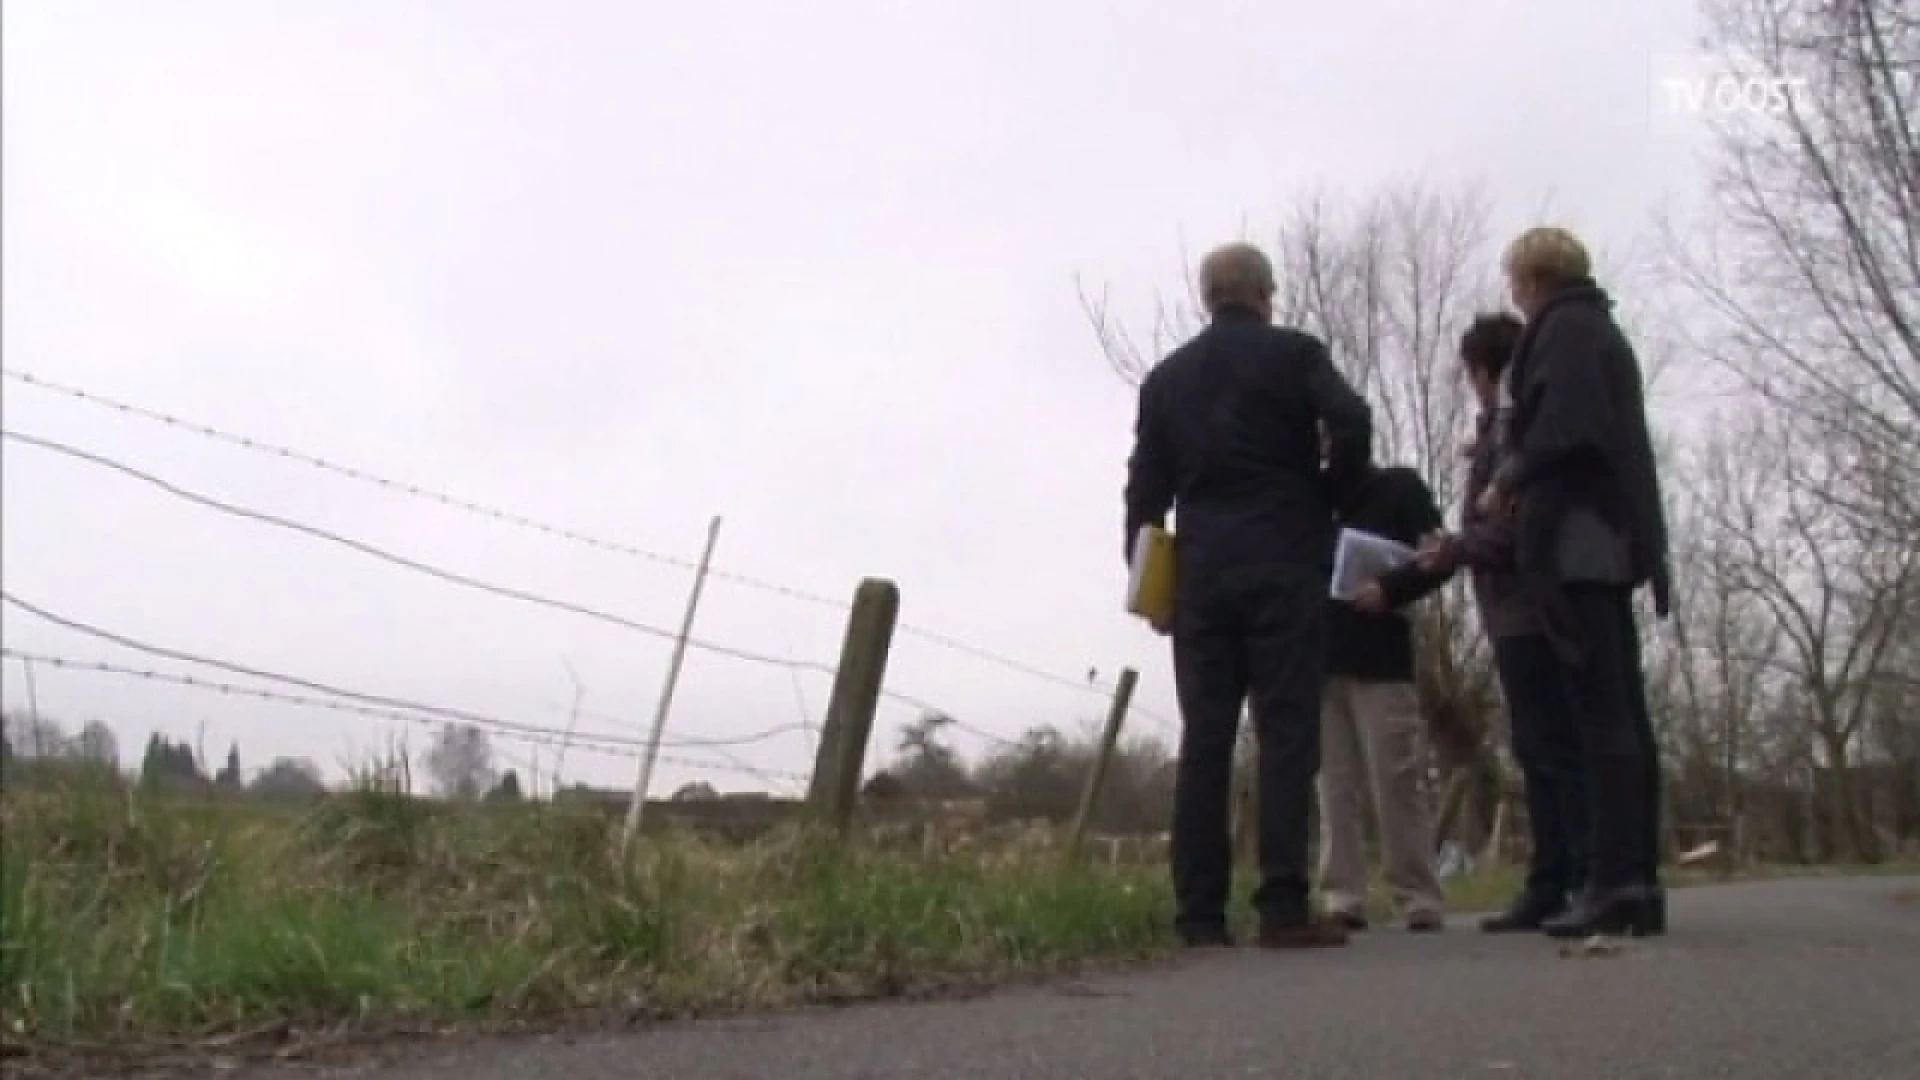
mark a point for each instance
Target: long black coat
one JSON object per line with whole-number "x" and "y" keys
{"x": 1579, "y": 447}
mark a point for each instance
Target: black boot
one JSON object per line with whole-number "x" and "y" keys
{"x": 1623, "y": 910}
{"x": 1527, "y": 912}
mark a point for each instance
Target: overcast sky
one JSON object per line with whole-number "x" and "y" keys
{"x": 620, "y": 267}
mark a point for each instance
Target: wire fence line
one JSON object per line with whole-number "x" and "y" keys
{"x": 1092, "y": 684}
{"x": 381, "y": 701}
{"x": 388, "y": 707}
{"x": 403, "y": 561}
{"x": 453, "y": 577}
{"x": 620, "y": 745}
{"x": 525, "y": 734}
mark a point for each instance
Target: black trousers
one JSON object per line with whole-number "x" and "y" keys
{"x": 1546, "y": 744}
{"x": 1257, "y": 636}
{"x": 1614, "y": 725}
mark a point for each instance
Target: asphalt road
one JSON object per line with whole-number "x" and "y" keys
{"x": 1788, "y": 979}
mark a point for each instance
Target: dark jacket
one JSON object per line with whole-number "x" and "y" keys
{"x": 1397, "y": 504}
{"x": 1485, "y": 541}
{"x": 1227, "y": 439}
{"x": 1579, "y": 458}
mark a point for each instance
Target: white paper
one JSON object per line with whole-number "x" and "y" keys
{"x": 1361, "y": 557}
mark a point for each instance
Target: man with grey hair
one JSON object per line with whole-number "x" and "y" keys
{"x": 1228, "y": 437}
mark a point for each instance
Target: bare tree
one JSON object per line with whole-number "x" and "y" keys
{"x": 1714, "y": 681}
{"x": 925, "y": 764}
{"x": 1389, "y": 283}
{"x": 1839, "y": 597}
{"x": 460, "y": 762}
{"x": 1817, "y": 280}
{"x": 1809, "y": 266}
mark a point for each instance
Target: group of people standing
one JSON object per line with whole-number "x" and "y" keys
{"x": 1262, "y": 450}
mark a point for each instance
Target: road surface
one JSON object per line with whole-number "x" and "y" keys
{"x": 1786, "y": 979}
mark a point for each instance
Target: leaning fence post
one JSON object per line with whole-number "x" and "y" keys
{"x": 645, "y": 777}
{"x": 1097, "y": 775}
{"x": 844, "y": 733}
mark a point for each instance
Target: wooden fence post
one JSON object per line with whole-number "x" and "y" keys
{"x": 835, "y": 786}
{"x": 645, "y": 777}
{"x": 1245, "y": 788}
{"x": 1097, "y": 775}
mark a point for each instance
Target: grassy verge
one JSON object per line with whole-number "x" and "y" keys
{"x": 125, "y": 921}
{"x": 129, "y": 922}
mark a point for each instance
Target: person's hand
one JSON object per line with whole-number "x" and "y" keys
{"x": 1369, "y": 598}
{"x": 1495, "y": 502}
{"x": 1436, "y": 551}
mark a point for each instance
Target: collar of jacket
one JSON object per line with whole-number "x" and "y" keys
{"x": 1236, "y": 313}
{"x": 1584, "y": 291}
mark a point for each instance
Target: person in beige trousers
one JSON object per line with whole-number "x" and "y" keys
{"x": 1372, "y": 734}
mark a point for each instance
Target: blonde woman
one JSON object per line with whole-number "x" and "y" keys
{"x": 1578, "y": 474}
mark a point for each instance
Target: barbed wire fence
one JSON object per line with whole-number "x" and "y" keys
{"x": 719, "y": 751}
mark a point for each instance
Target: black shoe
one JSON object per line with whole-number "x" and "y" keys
{"x": 1526, "y": 914}
{"x": 1625, "y": 910}
{"x": 1205, "y": 937}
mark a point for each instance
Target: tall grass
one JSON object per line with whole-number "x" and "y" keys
{"x": 129, "y": 917}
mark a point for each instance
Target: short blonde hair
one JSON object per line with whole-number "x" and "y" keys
{"x": 1549, "y": 255}
{"x": 1235, "y": 274}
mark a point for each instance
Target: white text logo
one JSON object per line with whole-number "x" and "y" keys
{"x": 1726, "y": 94}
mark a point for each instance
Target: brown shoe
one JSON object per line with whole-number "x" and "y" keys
{"x": 1313, "y": 934}
{"x": 1426, "y": 922}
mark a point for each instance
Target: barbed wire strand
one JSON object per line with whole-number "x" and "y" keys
{"x": 717, "y": 744}
{"x": 689, "y": 742}
{"x": 1093, "y": 684}
{"x": 381, "y": 701}
{"x": 453, "y": 577}
{"x": 403, "y": 561}
{"x": 555, "y": 740}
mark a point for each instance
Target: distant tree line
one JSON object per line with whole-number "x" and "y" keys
{"x": 40, "y": 749}
{"x": 1037, "y": 776}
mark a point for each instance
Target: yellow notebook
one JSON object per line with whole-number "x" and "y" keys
{"x": 1150, "y": 579}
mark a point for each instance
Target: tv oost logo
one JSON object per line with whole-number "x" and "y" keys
{"x": 1725, "y": 93}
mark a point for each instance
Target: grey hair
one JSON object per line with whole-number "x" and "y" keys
{"x": 1235, "y": 274}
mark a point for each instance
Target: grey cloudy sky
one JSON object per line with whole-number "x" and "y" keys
{"x": 621, "y": 267}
